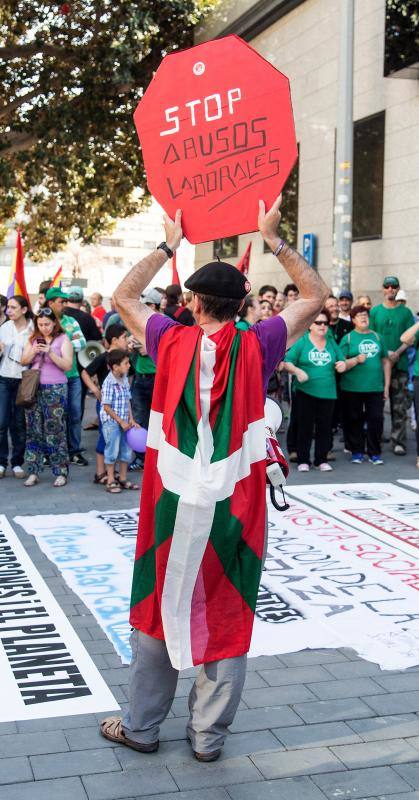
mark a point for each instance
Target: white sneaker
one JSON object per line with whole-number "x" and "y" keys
{"x": 325, "y": 467}
{"x": 303, "y": 468}
{"x": 2, "y": 472}
{"x": 18, "y": 472}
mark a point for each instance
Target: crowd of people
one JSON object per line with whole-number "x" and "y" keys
{"x": 334, "y": 380}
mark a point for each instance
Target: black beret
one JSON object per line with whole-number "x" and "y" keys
{"x": 219, "y": 279}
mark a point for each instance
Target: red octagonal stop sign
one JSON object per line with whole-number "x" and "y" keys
{"x": 217, "y": 133}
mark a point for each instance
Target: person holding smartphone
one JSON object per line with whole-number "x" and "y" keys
{"x": 50, "y": 350}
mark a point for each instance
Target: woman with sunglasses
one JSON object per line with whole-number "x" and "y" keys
{"x": 14, "y": 335}
{"x": 314, "y": 360}
{"x": 50, "y": 350}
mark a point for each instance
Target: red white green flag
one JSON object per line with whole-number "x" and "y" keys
{"x": 202, "y": 517}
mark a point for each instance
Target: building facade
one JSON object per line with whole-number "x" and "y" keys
{"x": 301, "y": 38}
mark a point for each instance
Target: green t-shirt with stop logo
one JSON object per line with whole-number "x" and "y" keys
{"x": 369, "y": 376}
{"x": 318, "y": 364}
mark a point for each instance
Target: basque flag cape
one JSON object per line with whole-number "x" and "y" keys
{"x": 202, "y": 517}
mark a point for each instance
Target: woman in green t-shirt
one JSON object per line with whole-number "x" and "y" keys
{"x": 314, "y": 360}
{"x": 411, "y": 337}
{"x": 364, "y": 386}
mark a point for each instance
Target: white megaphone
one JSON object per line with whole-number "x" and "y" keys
{"x": 273, "y": 415}
{"x": 89, "y": 353}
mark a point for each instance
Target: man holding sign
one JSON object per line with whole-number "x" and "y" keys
{"x": 201, "y": 538}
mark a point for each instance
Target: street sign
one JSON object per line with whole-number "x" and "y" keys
{"x": 217, "y": 133}
{"x": 310, "y": 248}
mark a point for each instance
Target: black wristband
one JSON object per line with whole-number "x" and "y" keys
{"x": 166, "y": 248}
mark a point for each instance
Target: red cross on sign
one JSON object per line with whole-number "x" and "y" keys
{"x": 217, "y": 133}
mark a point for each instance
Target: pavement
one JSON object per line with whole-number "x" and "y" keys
{"x": 311, "y": 725}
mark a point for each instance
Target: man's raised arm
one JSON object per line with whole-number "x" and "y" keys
{"x": 312, "y": 289}
{"x": 127, "y": 296}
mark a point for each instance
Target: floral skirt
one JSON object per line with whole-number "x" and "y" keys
{"x": 46, "y": 424}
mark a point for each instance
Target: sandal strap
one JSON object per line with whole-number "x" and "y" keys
{"x": 112, "y": 727}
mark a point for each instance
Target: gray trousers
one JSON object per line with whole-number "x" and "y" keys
{"x": 213, "y": 699}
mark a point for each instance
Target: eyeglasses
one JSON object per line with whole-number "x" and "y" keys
{"x": 321, "y": 322}
{"x": 45, "y": 312}
{"x": 391, "y": 285}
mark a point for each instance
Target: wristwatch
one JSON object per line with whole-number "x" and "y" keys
{"x": 166, "y": 248}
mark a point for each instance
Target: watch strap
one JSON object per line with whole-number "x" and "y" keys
{"x": 166, "y": 248}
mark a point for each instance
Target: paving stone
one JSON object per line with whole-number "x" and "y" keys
{"x": 133, "y": 783}
{"x": 112, "y": 660}
{"x": 100, "y": 646}
{"x": 296, "y": 762}
{"x": 398, "y": 683}
{"x": 299, "y": 788}
{"x": 169, "y": 753}
{"x": 87, "y": 738}
{"x": 260, "y": 719}
{"x": 200, "y": 794}
{"x": 116, "y": 677}
{"x": 184, "y": 686}
{"x": 7, "y": 727}
{"x": 263, "y": 662}
{"x": 28, "y": 744}
{"x": 410, "y": 796}
{"x": 56, "y": 723}
{"x": 243, "y": 744}
{"x": 63, "y": 765}
{"x": 410, "y": 773}
{"x": 349, "y": 687}
{"x": 222, "y": 773}
{"x": 375, "y": 754}
{"x": 361, "y": 783}
{"x": 294, "y": 675}
{"x": 254, "y": 680}
{"x": 65, "y": 789}
{"x": 414, "y": 741}
{"x": 354, "y": 669}
{"x": 321, "y": 735}
{"x": 306, "y": 658}
{"x": 391, "y": 727}
{"x": 277, "y": 696}
{"x": 15, "y": 770}
{"x": 173, "y": 729}
{"x": 395, "y": 703}
{"x": 332, "y": 710}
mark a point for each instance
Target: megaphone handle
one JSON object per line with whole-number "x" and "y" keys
{"x": 274, "y": 502}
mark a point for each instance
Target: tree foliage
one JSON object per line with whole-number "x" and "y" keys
{"x": 71, "y": 75}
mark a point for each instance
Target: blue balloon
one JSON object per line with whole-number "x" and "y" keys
{"x": 137, "y": 439}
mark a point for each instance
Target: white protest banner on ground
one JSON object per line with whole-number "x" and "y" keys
{"x": 324, "y": 583}
{"x": 95, "y": 554}
{"x": 412, "y": 484}
{"x": 387, "y": 512}
{"x": 45, "y": 669}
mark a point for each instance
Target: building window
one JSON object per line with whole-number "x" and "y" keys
{"x": 107, "y": 242}
{"x": 368, "y": 177}
{"x": 288, "y": 227}
{"x": 226, "y": 248}
{"x": 401, "y": 51}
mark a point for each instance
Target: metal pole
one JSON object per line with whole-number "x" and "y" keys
{"x": 342, "y": 217}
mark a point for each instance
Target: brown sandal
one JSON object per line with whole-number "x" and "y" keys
{"x": 101, "y": 479}
{"x": 111, "y": 728}
{"x": 127, "y": 484}
{"x": 113, "y": 488}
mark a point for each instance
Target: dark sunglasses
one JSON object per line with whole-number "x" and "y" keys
{"x": 391, "y": 285}
{"x": 321, "y": 322}
{"x": 45, "y": 312}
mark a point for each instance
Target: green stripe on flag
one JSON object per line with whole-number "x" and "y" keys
{"x": 166, "y": 510}
{"x": 186, "y": 416}
{"x": 222, "y": 428}
{"x": 241, "y": 565}
{"x": 144, "y": 578}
